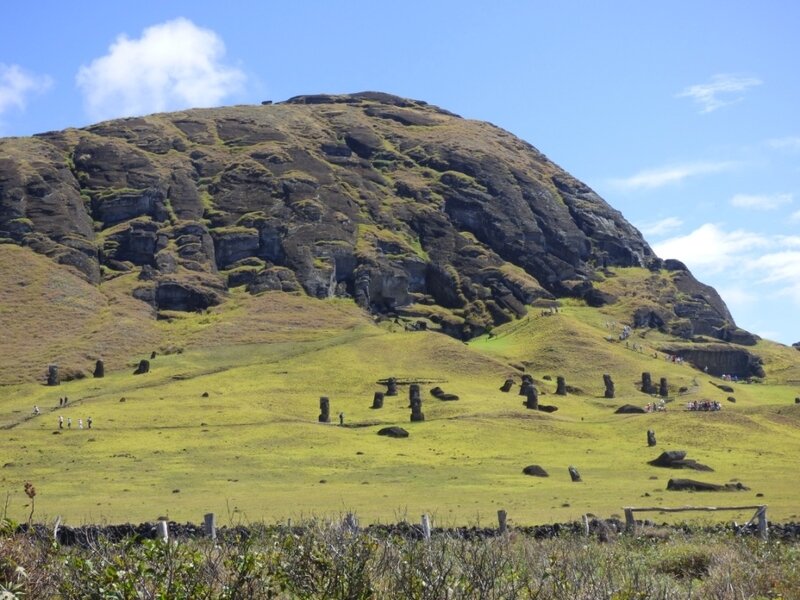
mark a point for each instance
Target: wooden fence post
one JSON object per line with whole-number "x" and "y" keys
{"x": 210, "y": 525}
{"x": 501, "y": 521}
{"x": 162, "y": 531}
{"x": 763, "y": 533}
{"x": 630, "y": 523}
{"x": 426, "y": 527}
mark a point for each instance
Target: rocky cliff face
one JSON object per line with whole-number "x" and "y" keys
{"x": 400, "y": 205}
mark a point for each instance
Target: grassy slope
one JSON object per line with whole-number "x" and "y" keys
{"x": 253, "y": 448}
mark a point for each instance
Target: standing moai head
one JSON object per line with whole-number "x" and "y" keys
{"x": 561, "y": 386}
{"x": 651, "y": 438}
{"x": 609, "y": 393}
{"x": 647, "y": 383}
{"x": 391, "y": 387}
{"x": 324, "y": 409}
{"x": 153, "y": 355}
{"x": 414, "y": 395}
{"x": 532, "y": 401}
{"x": 99, "y": 369}
{"x": 506, "y": 387}
{"x": 663, "y": 388}
{"x": 574, "y": 475}
{"x": 525, "y": 388}
{"x": 52, "y": 375}
{"x": 144, "y": 367}
{"x": 377, "y": 400}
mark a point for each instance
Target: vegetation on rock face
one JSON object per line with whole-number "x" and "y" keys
{"x": 367, "y": 196}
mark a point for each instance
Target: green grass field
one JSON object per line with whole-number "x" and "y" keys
{"x": 252, "y": 447}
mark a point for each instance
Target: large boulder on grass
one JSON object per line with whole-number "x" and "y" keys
{"x": 393, "y": 432}
{"x": 535, "y": 471}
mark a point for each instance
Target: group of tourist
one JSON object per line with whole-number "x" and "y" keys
{"x": 705, "y": 405}
{"x": 659, "y": 406}
{"x": 62, "y": 402}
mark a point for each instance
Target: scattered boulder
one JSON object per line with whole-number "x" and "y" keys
{"x": 731, "y": 399}
{"x": 99, "y": 369}
{"x": 683, "y": 485}
{"x": 204, "y": 395}
{"x": 535, "y": 471}
{"x": 548, "y": 408}
{"x": 574, "y": 475}
{"x": 393, "y": 432}
{"x": 797, "y": 400}
{"x": 629, "y": 409}
{"x": 676, "y": 459}
{"x": 721, "y": 386}
{"x": 377, "y": 400}
{"x": 144, "y": 367}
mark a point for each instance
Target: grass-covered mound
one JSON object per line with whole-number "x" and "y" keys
{"x": 226, "y": 419}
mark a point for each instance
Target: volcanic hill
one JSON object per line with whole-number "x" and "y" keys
{"x": 415, "y": 213}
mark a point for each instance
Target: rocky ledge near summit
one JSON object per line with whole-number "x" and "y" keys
{"x": 405, "y": 207}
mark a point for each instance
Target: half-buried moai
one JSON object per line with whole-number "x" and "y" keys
{"x": 561, "y": 386}
{"x": 506, "y": 387}
{"x": 651, "y": 438}
{"x": 609, "y": 393}
{"x": 416, "y": 403}
{"x": 377, "y": 400}
{"x": 533, "y": 399}
{"x": 527, "y": 384}
{"x": 647, "y": 383}
{"x": 52, "y": 375}
{"x": 574, "y": 475}
{"x": 99, "y": 369}
{"x": 391, "y": 386}
{"x": 144, "y": 367}
{"x": 663, "y": 388}
{"x": 324, "y": 409}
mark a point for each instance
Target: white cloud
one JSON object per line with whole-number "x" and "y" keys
{"x": 785, "y": 143}
{"x": 662, "y": 227}
{"x": 795, "y": 216}
{"x": 661, "y": 176}
{"x": 711, "y": 248}
{"x": 173, "y": 65}
{"x": 16, "y": 84}
{"x": 761, "y": 201}
{"x": 720, "y": 91}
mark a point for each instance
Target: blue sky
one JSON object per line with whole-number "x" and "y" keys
{"x": 682, "y": 115}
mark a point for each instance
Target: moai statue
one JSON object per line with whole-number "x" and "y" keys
{"x": 561, "y": 386}
{"x": 526, "y": 385}
{"x": 663, "y": 388}
{"x": 506, "y": 387}
{"x": 391, "y": 387}
{"x": 574, "y": 475}
{"x": 377, "y": 400}
{"x": 533, "y": 399}
{"x": 99, "y": 369}
{"x": 52, "y": 375}
{"x": 153, "y": 354}
{"x": 609, "y": 393}
{"x": 416, "y": 404}
{"x": 647, "y": 383}
{"x": 651, "y": 438}
{"x": 413, "y": 394}
{"x": 144, "y": 367}
{"x": 324, "y": 409}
